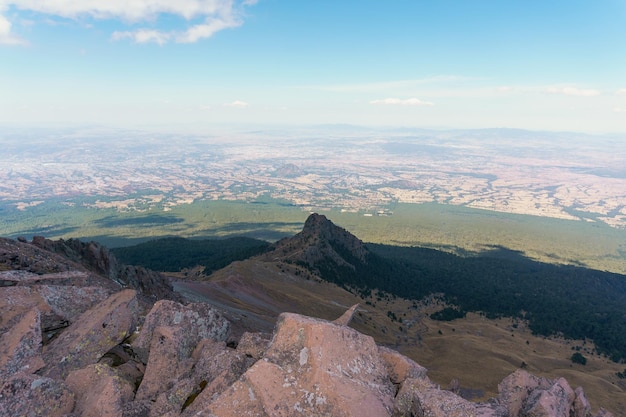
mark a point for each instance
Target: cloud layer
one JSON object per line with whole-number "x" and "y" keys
{"x": 212, "y": 16}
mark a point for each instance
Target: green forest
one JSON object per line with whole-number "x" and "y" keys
{"x": 174, "y": 253}
{"x": 575, "y": 302}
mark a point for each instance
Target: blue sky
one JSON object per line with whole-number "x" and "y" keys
{"x": 533, "y": 64}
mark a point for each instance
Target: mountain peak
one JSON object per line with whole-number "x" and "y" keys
{"x": 319, "y": 225}
{"x": 321, "y": 241}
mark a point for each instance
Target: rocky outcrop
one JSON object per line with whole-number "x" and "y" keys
{"x": 31, "y": 395}
{"x": 20, "y": 348}
{"x": 321, "y": 241}
{"x": 312, "y": 367}
{"x": 193, "y": 322}
{"x": 180, "y": 364}
{"x": 92, "y": 335}
{"x": 100, "y": 260}
{"x": 99, "y": 390}
{"x": 527, "y": 395}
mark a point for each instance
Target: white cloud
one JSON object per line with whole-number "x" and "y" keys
{"x": 621, "y": 92}
{"x": 143, "y": 36}
{"x": 238, "y": 104}
{"x": 215, "y": 15}
{"x": 6, "y": 37}
{"x": 619, "y": 110}
{"x": 207, "y": 29}
{"x": 573, "y": 91}
{"x": 401, "y": 102}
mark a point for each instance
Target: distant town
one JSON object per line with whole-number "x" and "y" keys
{"x": 558, "y": 175}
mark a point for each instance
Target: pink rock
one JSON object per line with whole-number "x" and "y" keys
{"x": 168, "y": 352}
{"x": 254, "y": 345}
{"x": 516, "y": 388}
{"x": 312, "y": 367}
{"x": 581, "y": 406}
{"x": 70, "y": 302}
{"x": 99, "y": 390}
{"x": 34, "y": 396}
{"x": 197, "y": 320}
{"x": 173, "y": 400}
{"x": 399, "y": 367}
{"x": 93, "y": 334}
{"x": 346, "y": 317}
{"x": 20, "y": 347}
{"x": 443, "y": 403}
{"x": 216, "y": 369}
{"x": 15, "y": 301}
{"x": 556, "y": 401}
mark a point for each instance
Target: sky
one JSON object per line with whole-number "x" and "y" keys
{"x": 531, "y": 64}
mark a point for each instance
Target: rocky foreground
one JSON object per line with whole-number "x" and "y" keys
{"x": 78, "y": 343}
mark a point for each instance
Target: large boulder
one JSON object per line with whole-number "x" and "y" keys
{"x": 99, "y": 390}
{"x": 35, "y": 396}
{"x": 20, "y": 347}
{"x": 399, "y": 367}
{"x": 196, "y": 321}
{"x": 170, "y": 353}
{"x": 312, "y": 367}
{"x": 555, "y": 401}
{"x": 217, "y": 368}
{"x": 581, "y": 407}
{"x": 515, "y": 389}
{"x": 254, "y": 345}
{"x": 69, "y": 302}
{"x": 93, "y": 334}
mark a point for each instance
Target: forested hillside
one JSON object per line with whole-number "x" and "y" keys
{"x": 574, "y": 301}
{"x": 174, "y": 253}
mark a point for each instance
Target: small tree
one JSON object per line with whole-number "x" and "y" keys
{"x": 579, "y": 358}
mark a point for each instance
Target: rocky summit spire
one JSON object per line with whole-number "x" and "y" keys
{"x": 322, "y": 241}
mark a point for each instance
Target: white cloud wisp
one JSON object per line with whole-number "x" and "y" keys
{"x": 211, "y": 16}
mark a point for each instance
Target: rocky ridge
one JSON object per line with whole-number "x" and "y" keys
{"x": 117, "y": 352}
{"x": 321, "y": 241}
